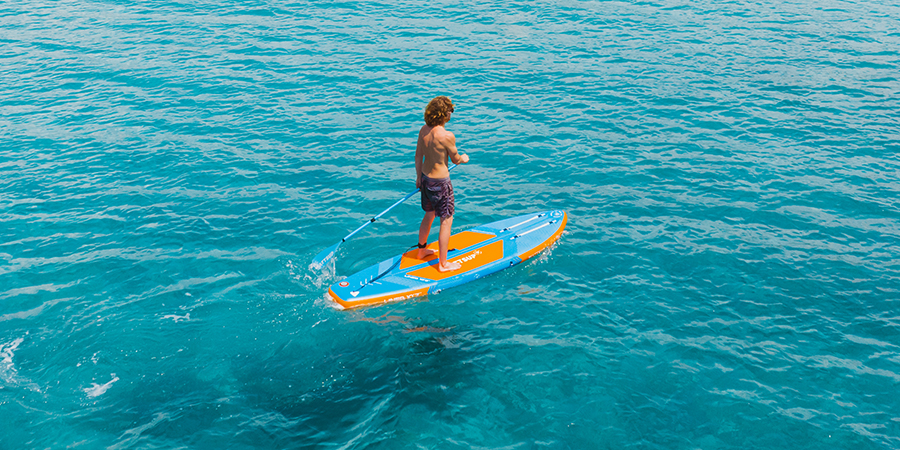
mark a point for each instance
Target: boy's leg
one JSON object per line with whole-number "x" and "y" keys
{"x": 424, "y": 230}
{"x": 443, "y": 243}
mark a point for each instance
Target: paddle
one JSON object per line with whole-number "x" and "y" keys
{"x": 319, "y": 261}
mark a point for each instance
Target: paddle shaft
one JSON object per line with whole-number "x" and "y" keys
{"x": 389, "y": 208}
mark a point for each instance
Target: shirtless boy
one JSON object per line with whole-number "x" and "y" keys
{"x": 434, "y": 148}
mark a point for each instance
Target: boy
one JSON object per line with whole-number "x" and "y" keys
{"x": 435, "y": 146}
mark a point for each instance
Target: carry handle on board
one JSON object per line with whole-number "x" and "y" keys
{"x": 319, "y": 261}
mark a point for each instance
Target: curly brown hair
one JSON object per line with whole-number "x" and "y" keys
{"x": 438, "y": 111}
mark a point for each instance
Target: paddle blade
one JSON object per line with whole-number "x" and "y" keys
{"x": 319, "y": 261}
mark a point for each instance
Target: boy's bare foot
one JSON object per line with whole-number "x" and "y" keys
{"x": 424, "y": 252}
{"x": 449, "y": 267}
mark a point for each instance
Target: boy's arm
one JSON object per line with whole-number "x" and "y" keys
{"x": 453, "y": 153}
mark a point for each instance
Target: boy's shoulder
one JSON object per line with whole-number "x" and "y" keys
{"x": 439, "y": 132}
{"x": 447, "y": 136}
{"x": 442, "y": 133}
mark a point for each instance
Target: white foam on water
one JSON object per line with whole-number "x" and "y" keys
{"x": 322, "y": 277}
{"x": 7, "y": 368}
{"x": 176, "y": 318}
{"x": 97, "y": 390}
{"x": 325, "y": 300}
{"x": 8, "y": 374}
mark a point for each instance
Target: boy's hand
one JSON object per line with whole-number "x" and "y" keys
{"x": 464, "y": 158}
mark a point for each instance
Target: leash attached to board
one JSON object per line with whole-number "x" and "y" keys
{"x": 319, "y": 261}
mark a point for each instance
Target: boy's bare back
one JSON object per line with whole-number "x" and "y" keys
{"x": 434, "y": 147}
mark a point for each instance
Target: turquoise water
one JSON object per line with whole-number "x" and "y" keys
{"x": 729, "y": 278}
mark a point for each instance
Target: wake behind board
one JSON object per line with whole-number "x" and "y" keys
{"x": 481, "y": 251}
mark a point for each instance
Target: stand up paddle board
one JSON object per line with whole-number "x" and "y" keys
{"x": 481, "y": 251}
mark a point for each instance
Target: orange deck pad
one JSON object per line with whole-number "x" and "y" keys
{"x": 470, "y": 261}
{"x": 461, "y": 240}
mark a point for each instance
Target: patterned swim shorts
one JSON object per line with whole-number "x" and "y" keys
{"x": 437, "y": 196}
